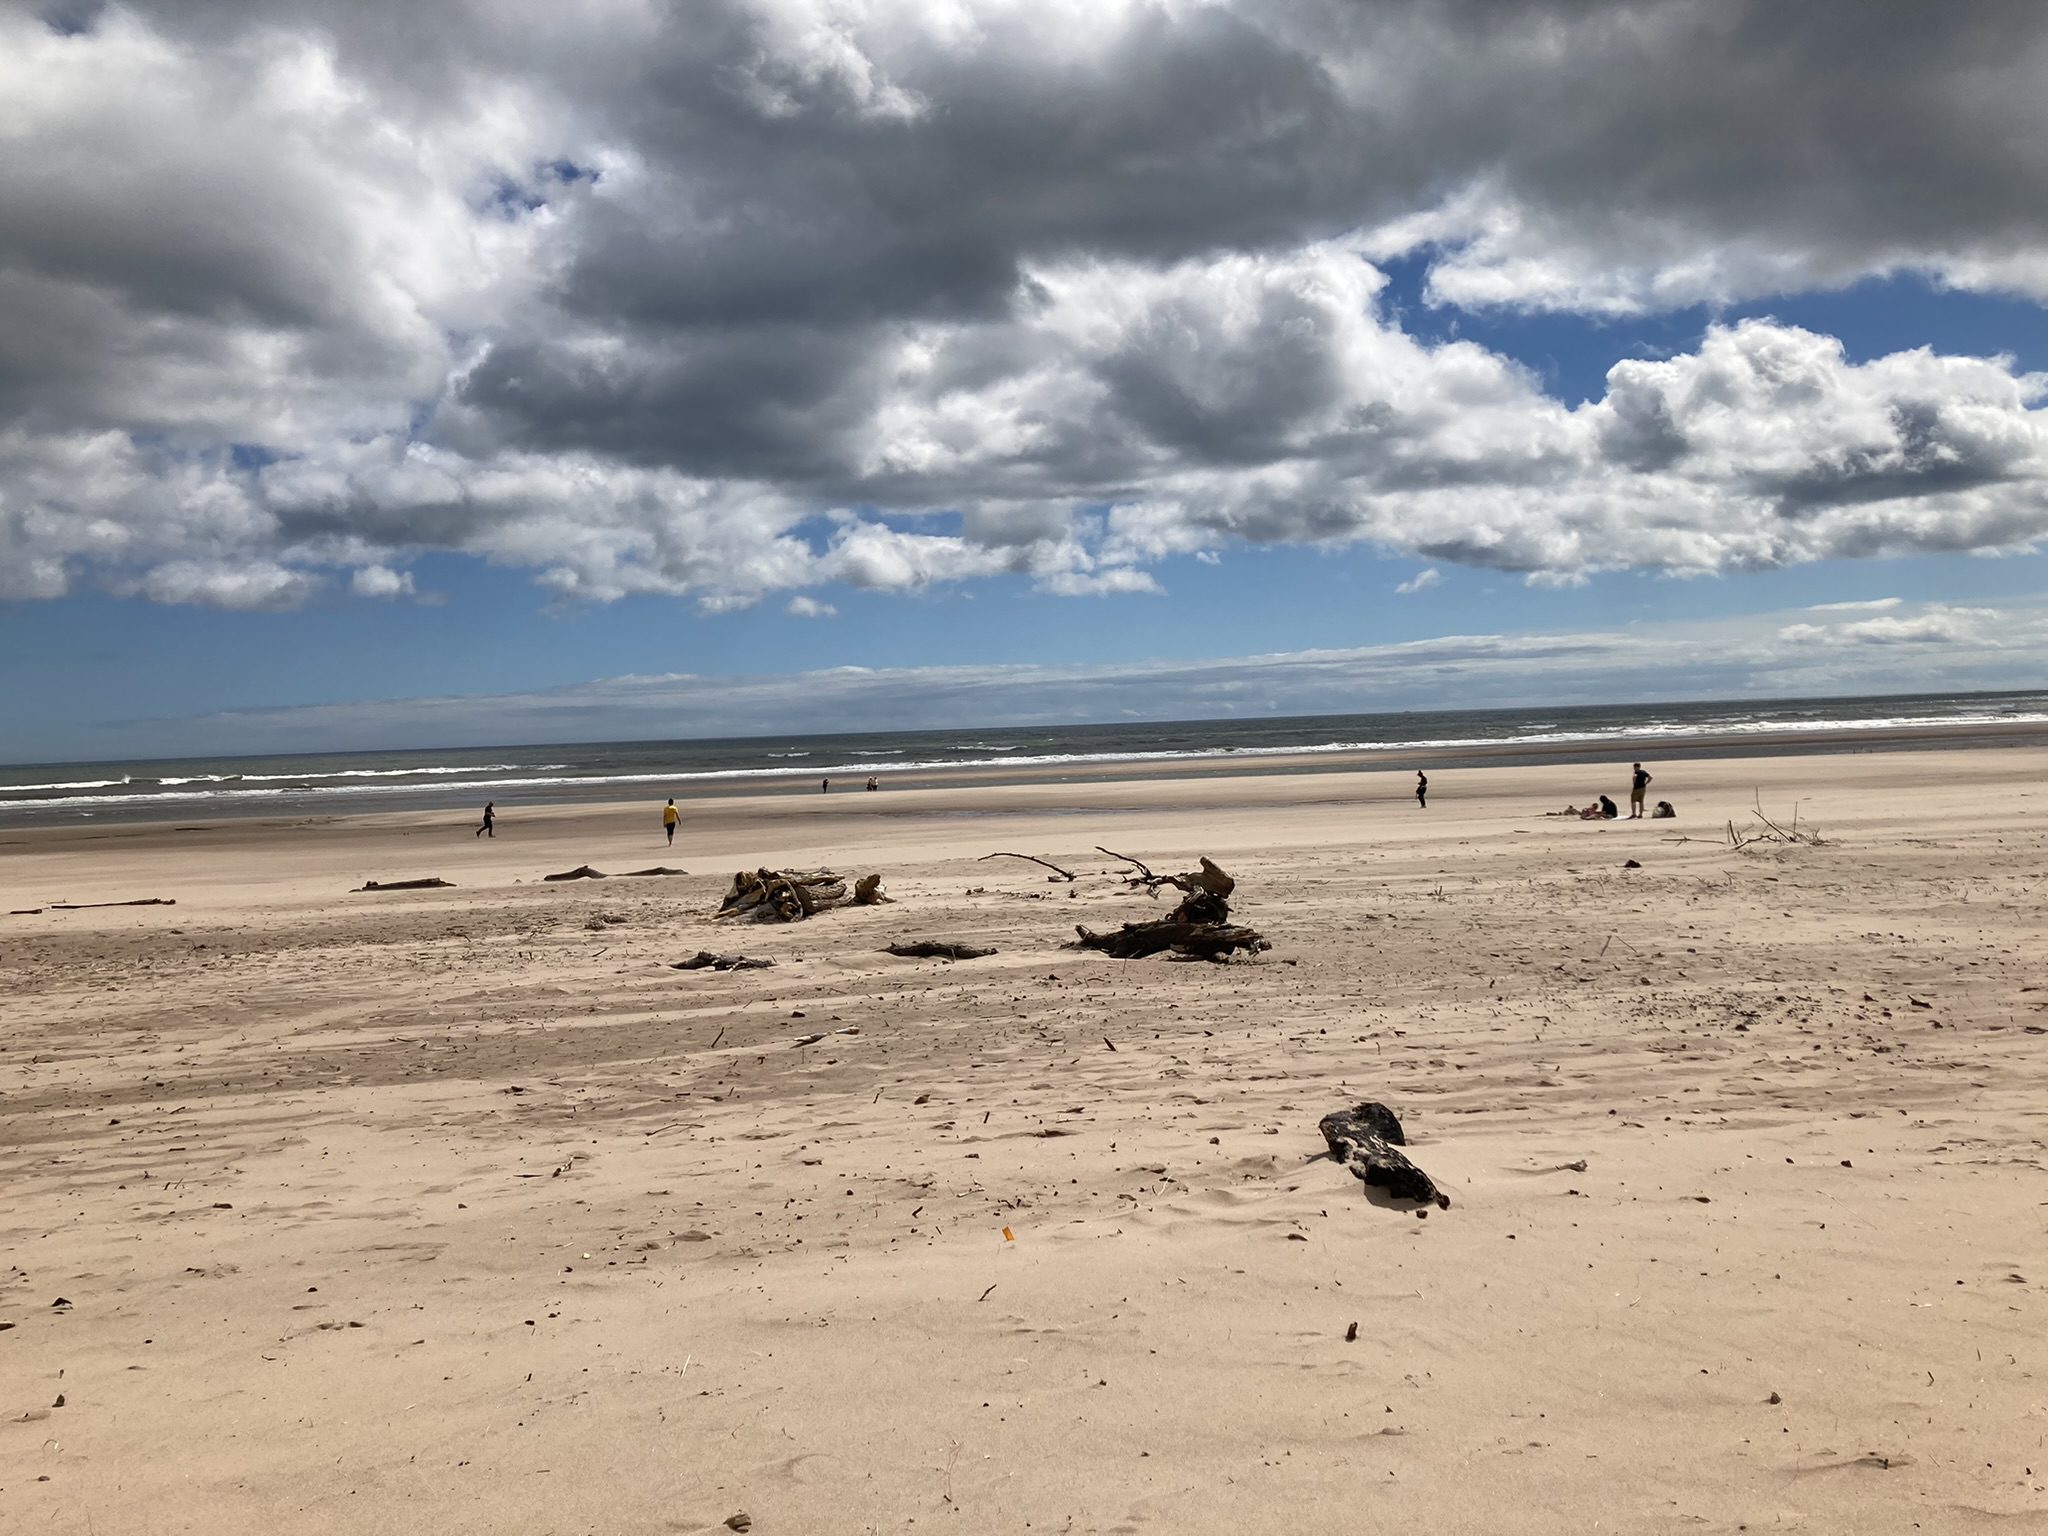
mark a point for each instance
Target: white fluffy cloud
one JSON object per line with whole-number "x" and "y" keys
{"x": 888, "y": 293}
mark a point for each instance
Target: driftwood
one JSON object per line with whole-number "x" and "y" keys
{"x": 580, "y": 872}
{"x": 634, "y": 874}
{"x": 1057, "y": 874}
{"x": 1364, "y": 1139}
{"x": 1208, "y": 878}
{"x": 827, "y": 1034}
{"x": 790, "y": 896}
{"x": 935, "y": 949}
{"x": 1199, "y": 928}
{"x": 88, "y": 906}
{"x": 406, "y": 885}
{"x": 704, "y": 960}
{"x": 1201, "y": 941}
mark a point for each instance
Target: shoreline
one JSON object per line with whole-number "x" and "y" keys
{"x": 17, "y": 817}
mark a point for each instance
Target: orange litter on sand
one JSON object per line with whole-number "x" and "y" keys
{"x": 1009, "y": 1236}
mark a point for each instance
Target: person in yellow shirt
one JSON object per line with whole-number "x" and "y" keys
{"x": 669, "y": 817}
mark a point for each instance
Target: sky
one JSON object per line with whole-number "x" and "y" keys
{"x": 378, "y": 374}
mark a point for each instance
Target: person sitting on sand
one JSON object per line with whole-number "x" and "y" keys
{"x": 1608, "y": 809}
{"x": 1664, "y": 812}
{"x": 669, "y": 817}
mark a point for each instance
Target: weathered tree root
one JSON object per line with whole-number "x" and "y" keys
{"x": 704, "y": 960}
{"x": 1364, "y": 1139}
{"x": 635, "y": 874}
{"x": 1208, "y": 878}
{"x": 406, "y": 885}
{"x": 1199, "y": 928}
{"x": 790, "y": 896}
{"x": 580, "y": 872}
{"x": 936, "y": 949}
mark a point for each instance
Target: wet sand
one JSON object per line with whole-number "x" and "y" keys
{"x": 459, "y": 1209}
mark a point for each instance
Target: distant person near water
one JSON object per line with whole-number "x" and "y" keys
{"x": 1421, "y": 789}
{"x": 490, "y": 826}
{"x": 1638, "y": 785}
{"x": 873, "y": 782}
{"x": 669, "y": 817}
{"x": 824, "y": 786}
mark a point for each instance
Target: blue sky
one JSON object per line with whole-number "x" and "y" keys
{"x": 815, "y": 367}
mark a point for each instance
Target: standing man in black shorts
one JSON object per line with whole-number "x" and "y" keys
{"x": 1421, "y": 790}
{"x": 1638, "y": 786}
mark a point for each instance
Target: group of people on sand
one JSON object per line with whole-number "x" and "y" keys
{"x": 1604, "y": 809}
{"x": 825, "y": 785}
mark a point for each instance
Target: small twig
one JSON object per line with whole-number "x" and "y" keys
{"x": 983, "y": 1296}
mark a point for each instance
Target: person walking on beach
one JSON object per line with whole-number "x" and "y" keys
{"x": 669, "y": 817}
{"x": 824, "y": 786}
{"x": 1421, "y": 790}
{"x": 490, "y": 825}
{"x": 1638, "y": 785}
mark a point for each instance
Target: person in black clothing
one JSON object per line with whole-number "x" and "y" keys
{"x": 1637, "y": 785}
{"x": 490, "y": 819}
{"x": 1608, "y": 809}
{"x": 1421, "y": 789}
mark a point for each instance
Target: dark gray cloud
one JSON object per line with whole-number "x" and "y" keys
{"x": 729, "y": 298}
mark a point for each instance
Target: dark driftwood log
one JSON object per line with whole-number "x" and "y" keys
{"x": 1057, "y": 872}
{"x": 634, "y": 874}
{"x": 1364, "y": 1139}
{"x": 405, "y": 885}
{"x": 580, "y": 872}
{"x": 1198, "y": 928}
{"x": 935, "y": 949}
{"x": 88, "y": 906}
{"x": 1206, "y": 941}
{"x": 704, "y": 960}
{"x": 789, "y": 896}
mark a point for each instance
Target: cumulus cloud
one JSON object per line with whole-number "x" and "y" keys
{"x": 1421, "y": 581}
{"x": 898, "y": 292}
{"x": 380, "y": 581}
{"x": 805, "y": 607}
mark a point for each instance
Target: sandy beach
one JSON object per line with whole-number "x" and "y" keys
{"x": 460, "y": 1210}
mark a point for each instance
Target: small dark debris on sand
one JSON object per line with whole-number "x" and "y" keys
{"x": 580, "y": 872}
{"x": 704, "y": 960}
{"x": 1364, "y": 1139}
{"x": 407, "y": 885}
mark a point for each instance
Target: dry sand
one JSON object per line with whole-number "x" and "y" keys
{"x": 459, "y": 1211}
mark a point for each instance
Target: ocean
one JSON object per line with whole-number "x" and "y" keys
{"x": 205, "y": 788}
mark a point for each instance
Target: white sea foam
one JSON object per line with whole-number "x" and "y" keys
{"x": 227, "y": 790}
